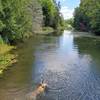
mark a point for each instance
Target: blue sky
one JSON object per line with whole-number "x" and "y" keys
{"x": 67, "y": 7}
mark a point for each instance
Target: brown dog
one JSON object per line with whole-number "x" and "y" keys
{"x": 40, "y": 89}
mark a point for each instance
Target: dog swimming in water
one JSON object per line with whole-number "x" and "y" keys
{"x": 40, "y": 90}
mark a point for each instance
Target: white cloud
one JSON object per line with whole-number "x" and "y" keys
{"x": 66, "y": 12}
{"x": 61, "y": 0}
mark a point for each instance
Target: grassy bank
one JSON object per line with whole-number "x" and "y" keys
{"x": 6, "y": 57}
{"x": 45, "y": 31}
{"x": 49, "y": 30}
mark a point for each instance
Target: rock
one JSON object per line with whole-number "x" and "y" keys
{"x": 37, "y": 16}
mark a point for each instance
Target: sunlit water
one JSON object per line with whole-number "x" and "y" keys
{"x": 69, "y": 64}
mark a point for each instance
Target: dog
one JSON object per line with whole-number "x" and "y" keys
{"x": 39, "y": 91}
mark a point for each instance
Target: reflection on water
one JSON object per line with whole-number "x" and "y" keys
{"x": 70, "y": 65}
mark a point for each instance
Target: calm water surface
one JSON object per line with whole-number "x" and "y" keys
{"x": 69, "y": 63}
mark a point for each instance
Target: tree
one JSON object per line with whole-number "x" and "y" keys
{"x": 52, "y": 16}
{"x": 14, "y": 19}
{"x": 87, "y": 15}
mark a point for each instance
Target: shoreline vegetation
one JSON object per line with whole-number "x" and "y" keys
{"x": 6, "y": 57}
{"x": 48, "y": 30}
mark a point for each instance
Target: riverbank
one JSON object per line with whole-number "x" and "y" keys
{"x": 44, "y": 31}
{"x": 6, "y": 57}
{"x": 49, "y": 30}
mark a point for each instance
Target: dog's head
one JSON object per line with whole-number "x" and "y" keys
{"x": 42, "y": 85}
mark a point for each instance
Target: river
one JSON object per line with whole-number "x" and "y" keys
{"x": 69, "y": 63}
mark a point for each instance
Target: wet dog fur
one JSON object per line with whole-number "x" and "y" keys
{"x": 40, "y": 90}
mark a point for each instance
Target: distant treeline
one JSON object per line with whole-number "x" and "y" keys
{"x": 16, "y": 18}
{"x": 87, "y": 16}
{"x": 68, "y": 24}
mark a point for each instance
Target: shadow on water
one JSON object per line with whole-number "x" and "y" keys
{"x": 69, "y": 64}
{"x": 89, "y": 46}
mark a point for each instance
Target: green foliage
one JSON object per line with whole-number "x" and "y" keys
{"x": 87, "y": 16}
{"x": 1, "y": 40}
{"x": 6, "y": 58}
{"x": 14, "y": 19}
{"x": 52, "y": 16}
{"x": 69, "y": 21}
{"x": 68, "y": 24}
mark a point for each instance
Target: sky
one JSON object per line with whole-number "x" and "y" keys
{"x": 67, "y": 7}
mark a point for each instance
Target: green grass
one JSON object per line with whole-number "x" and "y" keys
{"x": 6, "y": 58}
{"x": 1, "y": 40}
